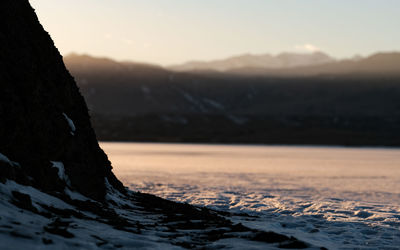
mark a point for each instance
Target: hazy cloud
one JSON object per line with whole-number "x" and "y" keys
{"x": 307, "y": 48}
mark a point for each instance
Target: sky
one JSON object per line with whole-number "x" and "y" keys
{"x": 174, "y": 31}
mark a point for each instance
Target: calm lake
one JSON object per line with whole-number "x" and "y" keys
{"x": 333, "y": 195}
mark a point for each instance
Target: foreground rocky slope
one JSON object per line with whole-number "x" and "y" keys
{"x": 57, "y": 190}
{"x": 44, "y": 119}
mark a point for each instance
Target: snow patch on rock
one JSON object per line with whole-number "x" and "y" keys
{"x": 70, "y": 124}
{"x": 75, "y": 195}
{"x": 23, "y": 229}
{"x": 5, "y": 159}
{"x": 61, "y": 171}
{"x": 37, "y": 196}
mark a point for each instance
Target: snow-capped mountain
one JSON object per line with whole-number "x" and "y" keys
{"x": 266, "y": 61}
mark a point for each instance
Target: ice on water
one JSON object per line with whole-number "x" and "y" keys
{"x": 335, "y": 197}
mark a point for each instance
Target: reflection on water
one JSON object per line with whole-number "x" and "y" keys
{"x": 325, "y": 169}
{"x": 294, "y": 185}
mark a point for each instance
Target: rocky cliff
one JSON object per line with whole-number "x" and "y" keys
{"x": 44, "y": 120}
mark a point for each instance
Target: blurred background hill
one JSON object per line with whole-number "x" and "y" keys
{"x": 289, "y": 98}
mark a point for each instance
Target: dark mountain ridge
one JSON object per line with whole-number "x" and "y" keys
{"x": 347, "y": 104}
{"x": 116, "y": 87}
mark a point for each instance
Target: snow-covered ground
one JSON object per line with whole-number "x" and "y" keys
{"x": 24, "y": 229}
{"x": 31, "y": 219}
{"x": 340, "y": 198}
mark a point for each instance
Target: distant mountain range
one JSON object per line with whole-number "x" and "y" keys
{"x": 293, "y": 64}
{"x": 338, "y": 102}
{"x": 135, "y": 88}
{"x": 377, "y": 64}
{"x": 283, "y": 65}
{"x": 266, "y": 61}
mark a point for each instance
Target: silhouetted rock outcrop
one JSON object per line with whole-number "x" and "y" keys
{"x": 43, "y": 117}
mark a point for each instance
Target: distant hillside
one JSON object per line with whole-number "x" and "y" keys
{"x": 88, "y": 65}
{"x": 130, "y": 101}
{"x": 266, "y": 61}
{"x": 378, "y": 64}
{"x": 127, "y": 88}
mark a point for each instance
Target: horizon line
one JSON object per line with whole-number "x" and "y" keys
{"x": 224, "y": 58}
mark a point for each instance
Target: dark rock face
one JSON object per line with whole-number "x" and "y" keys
{"x": 43, "y": 116}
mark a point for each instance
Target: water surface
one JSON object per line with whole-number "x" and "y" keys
{"x": 346, "y": 197}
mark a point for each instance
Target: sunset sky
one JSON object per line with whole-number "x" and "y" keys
{"x": 173, "y": 31}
